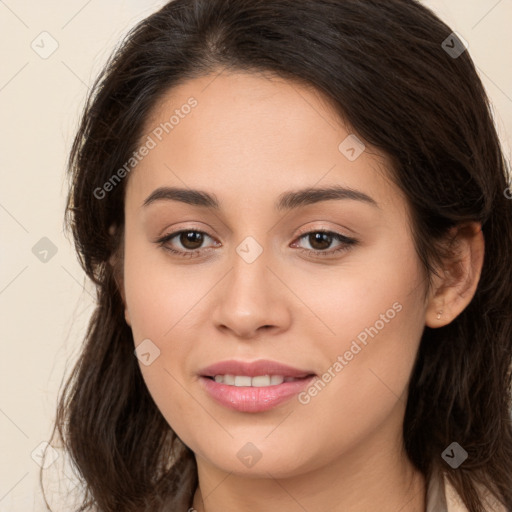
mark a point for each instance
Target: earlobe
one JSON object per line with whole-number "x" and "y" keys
{"x": 456, "y": 289}
{"x": 117, "y": 270}
{"x": 120, "y": 287}
{"x": 127, "y": 317}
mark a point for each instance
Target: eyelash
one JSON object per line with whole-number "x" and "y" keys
{"x": 347, "y": 243}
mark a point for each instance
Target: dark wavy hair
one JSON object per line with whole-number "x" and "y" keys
{"x": 384, "y": 68}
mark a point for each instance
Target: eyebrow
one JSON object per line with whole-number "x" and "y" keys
{"x": 287, "y": 201}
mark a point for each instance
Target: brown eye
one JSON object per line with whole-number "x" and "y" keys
{"x": 187, "y": 243}
{"x": 191, "y": 239}
{"x": 320, "y": 241}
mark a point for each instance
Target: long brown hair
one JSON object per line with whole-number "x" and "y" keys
{"x": 385, "y": 67}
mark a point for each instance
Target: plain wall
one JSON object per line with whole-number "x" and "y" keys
{"x": 44, "y": 304}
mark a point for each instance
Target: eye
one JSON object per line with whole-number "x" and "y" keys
{"x": 320, "y": 240}
{"x": 191, "y": 241}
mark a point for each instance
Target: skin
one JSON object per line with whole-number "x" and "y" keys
{"x": 250, "y": 138}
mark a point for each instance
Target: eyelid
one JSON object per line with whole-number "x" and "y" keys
{"x": 163, "y": 239}
{"x": 320, "y": 229}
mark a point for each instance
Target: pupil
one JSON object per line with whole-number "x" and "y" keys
{"x": 316, "y": 238}
{"x": 191, "y": 239}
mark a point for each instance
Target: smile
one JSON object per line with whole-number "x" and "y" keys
{"x": 256, "y": 382}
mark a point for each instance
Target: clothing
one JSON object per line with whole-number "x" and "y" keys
{"x": 442, "y": 497}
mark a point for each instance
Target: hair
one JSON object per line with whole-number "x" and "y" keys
{"x": 382, "y": 66}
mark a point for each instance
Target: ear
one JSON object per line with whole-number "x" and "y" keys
{"x": 117, "y": 270}
{"x": 456, "y": 286}
{"x": 117, "y": 264}
{"x": 127, "y": 316}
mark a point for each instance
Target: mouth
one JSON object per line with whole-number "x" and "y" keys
{"x": 259, "y": 381}
{"x": 253, "y": 386}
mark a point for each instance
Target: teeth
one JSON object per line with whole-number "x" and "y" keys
{"x": 263, "y": 380}
{"x": 242, "y": 381}
{"x": 229, "y": 379}
{"x": 256, "y": 382}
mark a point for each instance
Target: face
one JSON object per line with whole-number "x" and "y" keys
{"x": 329, "y": 285}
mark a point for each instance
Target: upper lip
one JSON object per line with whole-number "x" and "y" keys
{"x": 253, "y": 369}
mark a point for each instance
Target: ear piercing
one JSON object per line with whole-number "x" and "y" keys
{"x": 439, "y": 313}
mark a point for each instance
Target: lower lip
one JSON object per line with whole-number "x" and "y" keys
{"x": 253, "y": 399}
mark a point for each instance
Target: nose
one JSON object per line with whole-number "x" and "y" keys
{"x": 251, "y": 300}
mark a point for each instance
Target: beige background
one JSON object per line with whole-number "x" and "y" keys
{"x": 45, "y": 306}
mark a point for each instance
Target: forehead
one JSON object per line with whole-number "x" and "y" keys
{"x": 255, "y": 133}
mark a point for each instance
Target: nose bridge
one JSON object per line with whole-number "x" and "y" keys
{"x": 249, "y": 284}
{"x": 250, "y": 297}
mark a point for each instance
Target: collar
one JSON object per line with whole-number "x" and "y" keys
{"x": 436, "y": 494}
{"x": 442, "y": 497}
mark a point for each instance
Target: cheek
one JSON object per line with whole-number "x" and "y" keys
{"x": 372, "y": 316}
{"x": 159, "y": 296}
{"x": 163, "y": 305}
{"x": 373, "y": 295}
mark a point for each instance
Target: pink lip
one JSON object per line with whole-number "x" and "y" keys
{"x": 253, "y": 399}
{"x": 249, "y": 399}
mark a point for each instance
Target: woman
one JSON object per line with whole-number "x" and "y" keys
{"x": 296, "y": 217}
